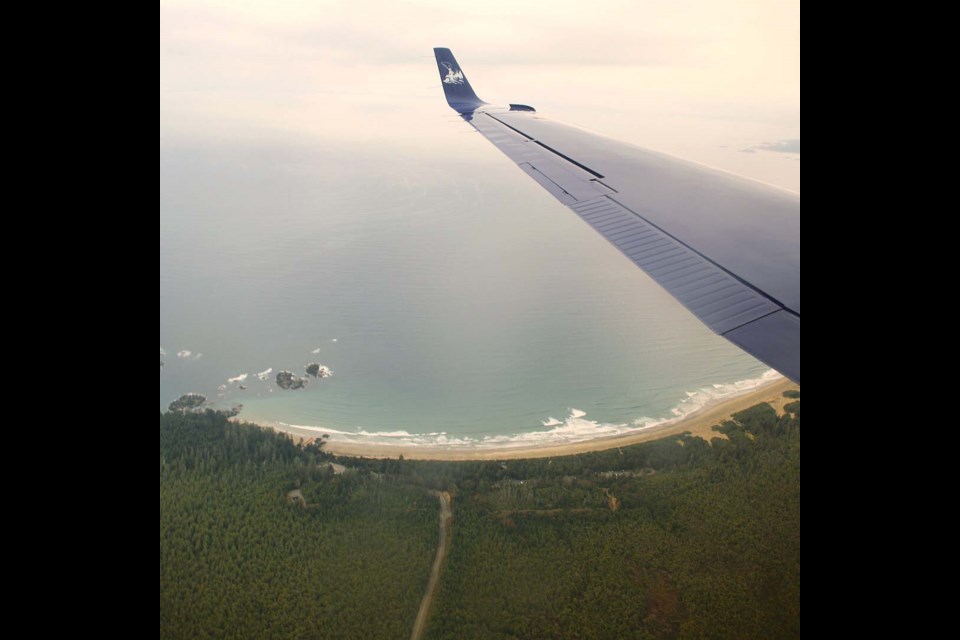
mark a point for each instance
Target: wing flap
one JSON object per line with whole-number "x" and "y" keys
{"x": 544, "y": 181}
{"x": 774, "y": 340}
{"x": 726, "y": 247}
{"x": 717, "y": 298}
{"x": 753, "y": 230}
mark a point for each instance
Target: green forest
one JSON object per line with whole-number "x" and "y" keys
{"x": 239, "y": 560}
{"x": 681, "y": 538}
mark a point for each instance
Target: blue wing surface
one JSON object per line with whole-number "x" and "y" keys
{"x": 726, "y": 247}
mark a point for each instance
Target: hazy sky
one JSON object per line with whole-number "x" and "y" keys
{"x": 716, "y": 81}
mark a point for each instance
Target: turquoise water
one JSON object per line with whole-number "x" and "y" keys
{"x": 455, "y": 301}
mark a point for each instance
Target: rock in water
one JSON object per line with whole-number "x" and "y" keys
{"x": 288, "y": 381}
{"x": 318, "y": 371}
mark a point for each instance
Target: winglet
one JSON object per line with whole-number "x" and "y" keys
{"x": 460, "y": 95}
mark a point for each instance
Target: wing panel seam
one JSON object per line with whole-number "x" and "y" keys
{"x": 760, "y": 292}
{"x": 551, "y": 149}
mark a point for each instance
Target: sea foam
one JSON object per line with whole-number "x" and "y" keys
{"x": 576, "y": 428}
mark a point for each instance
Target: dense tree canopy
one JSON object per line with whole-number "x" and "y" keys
{"x": 674, "y": 539}
{"x": 238, "y": 560}
{"x": 677, "y": 538}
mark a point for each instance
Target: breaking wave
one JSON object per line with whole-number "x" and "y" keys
{"x": 576, "y": 428}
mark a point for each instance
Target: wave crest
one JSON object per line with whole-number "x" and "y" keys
{"x": 576, "y": 428}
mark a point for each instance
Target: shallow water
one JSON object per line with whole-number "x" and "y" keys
{"x": 448, "y": 293}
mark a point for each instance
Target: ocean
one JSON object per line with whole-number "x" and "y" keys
{"x": 453, "y": 300}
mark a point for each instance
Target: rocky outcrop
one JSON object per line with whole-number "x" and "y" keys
{"x": 319, "y": 371}
{"x": 289, "y": 381}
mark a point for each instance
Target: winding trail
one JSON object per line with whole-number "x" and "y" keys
{"x": 446, "y": 533}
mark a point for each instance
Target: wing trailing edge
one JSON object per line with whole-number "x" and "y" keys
{"x": 725, "y": 247}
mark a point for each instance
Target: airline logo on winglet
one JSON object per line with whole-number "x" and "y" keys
{"x": 454, "y": 76}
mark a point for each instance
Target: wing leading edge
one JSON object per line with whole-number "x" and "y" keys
{"x": 726, "y": 247}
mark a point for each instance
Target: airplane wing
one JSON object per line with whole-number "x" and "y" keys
{"x": 726, "y": 247}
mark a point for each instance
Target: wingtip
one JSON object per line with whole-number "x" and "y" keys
{"x": 460, "y": 94}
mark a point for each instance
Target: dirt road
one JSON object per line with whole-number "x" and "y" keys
{"x": 446, "y": 519}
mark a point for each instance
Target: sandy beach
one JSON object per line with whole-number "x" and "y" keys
{"x": 699, "y": 424}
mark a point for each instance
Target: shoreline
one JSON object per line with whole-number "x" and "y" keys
{"x": 699, "y": 424}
